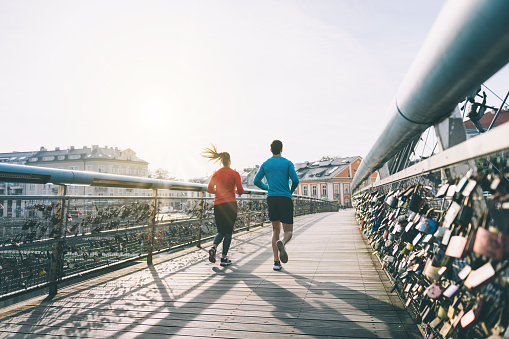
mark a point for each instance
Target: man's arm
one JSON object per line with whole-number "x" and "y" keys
{"x": 258, "y": 179}
{"x": 294, "y": 177}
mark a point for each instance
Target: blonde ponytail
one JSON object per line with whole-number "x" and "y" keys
{"x": 212, "y": 154}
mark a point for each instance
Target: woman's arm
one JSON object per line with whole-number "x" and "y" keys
{"x": 238, "y": 183}
{"x": 210, "y": 188}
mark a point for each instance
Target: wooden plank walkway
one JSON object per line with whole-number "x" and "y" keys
{"x": 330, "y": 287}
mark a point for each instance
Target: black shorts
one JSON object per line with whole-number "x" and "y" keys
{"x": 225, "y": 215}
{"x": 280, "y": 209}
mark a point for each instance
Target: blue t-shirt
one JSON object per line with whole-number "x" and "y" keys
{"x": 278, "y": 171}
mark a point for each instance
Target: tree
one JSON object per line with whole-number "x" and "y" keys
{"x": 160, "y": 173}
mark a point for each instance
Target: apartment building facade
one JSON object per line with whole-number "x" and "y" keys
{"x": 329, "y": 179}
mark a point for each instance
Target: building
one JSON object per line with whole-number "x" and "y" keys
{"x": 247, "y": 175}
{"x": 329, "y": 179}
{"x": 485, "y": 121}
{"x": 95, "y": 159}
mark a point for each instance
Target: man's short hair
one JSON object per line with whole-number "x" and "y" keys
{"x": 276, "y": 146}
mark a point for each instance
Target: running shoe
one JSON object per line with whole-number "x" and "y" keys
{"x": 277, "y": 265}
{"x": 282, "y": 251}
{"x": 225, "y": 262}
{"x": 212, "y": 254}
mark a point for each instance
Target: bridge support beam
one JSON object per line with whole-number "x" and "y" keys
{"x": 451, "y": 132}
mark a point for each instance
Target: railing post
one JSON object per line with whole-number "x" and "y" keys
{"x": 151, "y": 223}
{"x": 248, "y": 211}
{"x": 57, "y": 260}
{"x": 295, "y": 206}
{"x": 263, "y": 211}
{"x": 200, "y": 223}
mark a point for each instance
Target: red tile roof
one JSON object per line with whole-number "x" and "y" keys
{"x": 487, "y": 118}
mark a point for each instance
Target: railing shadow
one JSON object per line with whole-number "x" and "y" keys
{"x": 168, "y": 316}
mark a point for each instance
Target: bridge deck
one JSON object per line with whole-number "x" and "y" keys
{"x": 331, "y": 287}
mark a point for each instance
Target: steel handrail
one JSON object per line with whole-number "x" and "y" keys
{"x": 44, "y": 175}
{"x": 468, "y": 43}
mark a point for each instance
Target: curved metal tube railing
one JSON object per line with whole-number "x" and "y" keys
{"x": 468, "y": 43}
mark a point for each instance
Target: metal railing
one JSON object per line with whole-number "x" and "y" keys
{"x": 48, "y": 239}
{"x": 440, "y": 228}
{"x": 412, "y": 220}
{"x": 460, "y": 52}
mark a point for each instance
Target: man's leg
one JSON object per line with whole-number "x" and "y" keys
{"x": 276, "y": 230}
{"x": 287, "y": 235}
{"x": 286, "y": 207}
{"x": 287, "y": 232}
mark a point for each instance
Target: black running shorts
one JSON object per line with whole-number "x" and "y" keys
{"x": 280, "y": 209}
{"x": 225, "y": 214}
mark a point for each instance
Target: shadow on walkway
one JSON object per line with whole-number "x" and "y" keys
{"x": 148, "y": 306}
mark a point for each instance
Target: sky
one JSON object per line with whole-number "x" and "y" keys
{"x": 168, "y": 78}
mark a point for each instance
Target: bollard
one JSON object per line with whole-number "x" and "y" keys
{"x": 57, "y": 257}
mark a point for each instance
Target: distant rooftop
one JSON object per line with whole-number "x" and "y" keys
{"x": 323, "y": 169}
{"x": 72, "y": 153}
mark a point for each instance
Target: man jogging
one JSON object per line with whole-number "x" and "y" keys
{"x": 278, "y": 171}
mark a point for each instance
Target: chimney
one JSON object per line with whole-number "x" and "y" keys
{"x": 43, "y": 149}
{"x": 116, "y": 148}
{"x": 85, "y": 147}
{"x": 94, "y": 147}
{"x": 71, "y": 148}
{"x": 57, "y": 148}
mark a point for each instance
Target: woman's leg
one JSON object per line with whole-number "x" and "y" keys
{"x": 230, "y": 213}
{"x": 218, "y": 216}
{"x": 218, "y": 238}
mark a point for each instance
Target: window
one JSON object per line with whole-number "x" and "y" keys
{"x": 32, "y": 187}
{"x": 100, "y": 169}
{"x": 324, "y": 190}
{"x": 90, "y": 168}
{"x": 32, "y": 159}
{"x": 305, "y": 190}
{"x": 73, "y": 190}
{"x": 144, "y": 172}
{"x": 74, "y": 168}
{"x": 74, "y": 156}
{"x": 120, "y": 170}
{"x": 329, "y": 172}
{"x": 48, "y": 158}
{"x": 313, "y": 190}
{"x": 136, "y": 171}
{"x": 128, "y": 170}
{"x": 61, "y": 157}
{"x": 336, "y": 190}
{"x": 346, "y": 189}
{"x": 112, "y": 169}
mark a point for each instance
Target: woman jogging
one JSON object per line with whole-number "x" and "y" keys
{"x": 223, "y": 184}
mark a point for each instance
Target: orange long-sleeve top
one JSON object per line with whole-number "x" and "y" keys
{"x": 223, "y": 184}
